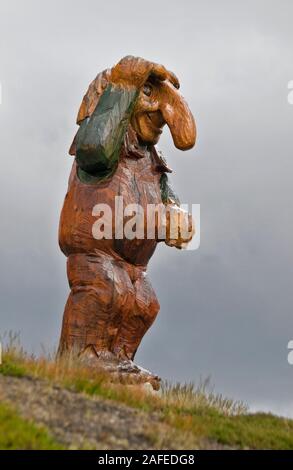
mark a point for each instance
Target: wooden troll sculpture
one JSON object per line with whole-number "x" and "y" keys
{"x": 112, "y": 303}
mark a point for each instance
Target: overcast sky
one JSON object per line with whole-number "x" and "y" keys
{"x": 226, "y": 309}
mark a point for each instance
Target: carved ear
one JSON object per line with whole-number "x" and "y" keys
{"x": 90, "y": 101}
{"x": 92, "y": 96}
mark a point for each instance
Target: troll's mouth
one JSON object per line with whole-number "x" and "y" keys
{"x": 155, "y": 126}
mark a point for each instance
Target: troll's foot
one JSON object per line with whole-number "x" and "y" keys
{"x": 124, "y": 371}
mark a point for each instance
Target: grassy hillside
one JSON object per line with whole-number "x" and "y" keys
{"x": 190, "y": 417}
{"x": 18, "y": 433}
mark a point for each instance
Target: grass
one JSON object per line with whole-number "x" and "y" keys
{"x": 17, "y": 433}
{"x": 196, "y": 410}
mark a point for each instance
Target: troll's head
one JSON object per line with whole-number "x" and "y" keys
{"x": 159, "y": 101}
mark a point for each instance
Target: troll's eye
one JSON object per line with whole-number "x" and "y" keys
{"x": 147, "y": 89}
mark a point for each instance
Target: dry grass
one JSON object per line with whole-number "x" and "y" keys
{"x": 201, "y": 396}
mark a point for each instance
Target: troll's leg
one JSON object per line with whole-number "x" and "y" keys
{"x": 100, "y": 292}
{"x": 138, "y": 320}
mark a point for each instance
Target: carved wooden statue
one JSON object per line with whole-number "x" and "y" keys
{"x": 112, "y": 303}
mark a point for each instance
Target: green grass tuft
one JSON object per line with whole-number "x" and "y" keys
{"x": 12, "y": 369}
{"x": 17, "y": 433}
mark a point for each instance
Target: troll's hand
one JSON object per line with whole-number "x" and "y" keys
{"x": 135, "y": 71}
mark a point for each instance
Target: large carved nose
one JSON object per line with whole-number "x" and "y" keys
{"x": 178, "y": 116}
